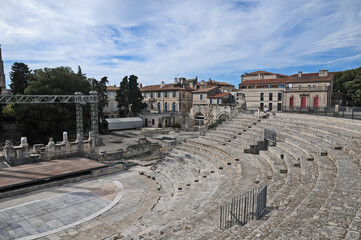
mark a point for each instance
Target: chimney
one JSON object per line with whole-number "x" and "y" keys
{"x": 323, "y": 73}
{"x": 175, "y": 80}
{"x": 140, "y": 85}
{"x": 162, "y": 84}
{"x": 300, "y": 74}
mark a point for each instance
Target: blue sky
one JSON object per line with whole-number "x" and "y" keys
{"x": 160, "y": 40}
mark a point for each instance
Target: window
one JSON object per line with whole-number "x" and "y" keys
{"x": 151, "y": 95}
{"x": 112, "y": 107}
{"x": 262, "y": 97}
{"x": 152, "y": 121}
{"x": 158, "y": 107}
{"x": 159, "y": 94}
{"x": 174, "y": 107}
{"x": 270, "y": 107}
{"x": 184, "y": 94}
{"x": 174, "y": 94}
{"x": 279, "y": 106}
{"x": 291, "y": 101}
{"x": 165, "y": 107}
{"x": 165, "y": 94}
{"x": 151, "y": 106}
{"x": 262, "y": 106}
{"x": 314, "y": 86}
{"x": 270, "y": 96}
{"x": 218, "y": 101}
{"x": 106, "y": 108}
{"x": 309, "y": 86}
{"x": 145, "y": 95}
{"x": 279, "y": 96}
{"x": 210, "y": 101}
{"x": 299, "y": 86}
{"x": 111, "y": 95}
{"x": 201, "y": 97}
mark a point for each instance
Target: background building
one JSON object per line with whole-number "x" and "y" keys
{"x": 111, "y": 109}
{"x": 2, "y": 73}
{"x": 278, "y": 91}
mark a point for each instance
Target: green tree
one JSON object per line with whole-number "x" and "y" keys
{"x": 349, "y": 83}
{"x": 135, "y": 98}
{"x": 40, "y": 121}
{"x": 101, "y": 88}
{"x": 20, "y": 77}
{"x": 122, "y": 97}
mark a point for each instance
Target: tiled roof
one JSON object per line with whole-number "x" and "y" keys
{"x": 265, "y": 72}
{"x": 205, "y": 90}
{"x": 112, "y": 88}
{"x": 288, "y": 80}
{"x": 219, "y": 95}
{"x": 224, "y": 84}
{"x": 167, "y": 87}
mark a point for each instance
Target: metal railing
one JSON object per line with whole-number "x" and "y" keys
{"x": 331, "y": 111}
{"x": 242, "y": 209}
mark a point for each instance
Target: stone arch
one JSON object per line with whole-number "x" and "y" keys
{"x": 199, "y": 119}
{"x": 224, "y": 116}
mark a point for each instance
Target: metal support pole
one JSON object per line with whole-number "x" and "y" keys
{"x": 79, "y": 114}
{"x": 94, "y": 121}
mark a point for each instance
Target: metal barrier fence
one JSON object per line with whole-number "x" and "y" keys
{"x": 270, "y": 135}
{"x": 242, "y": 209}
{"x": 340, "y": 111}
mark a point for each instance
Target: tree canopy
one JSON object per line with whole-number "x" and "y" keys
{"x": 40, "y": 121}
{"x": 101, "y": 88}
{"x": 20, "y": 77}
{"x": 349, "y": 83}
{"x": 129, "y": 97}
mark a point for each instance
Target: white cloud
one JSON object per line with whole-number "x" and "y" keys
{"x": 156, "y": 40}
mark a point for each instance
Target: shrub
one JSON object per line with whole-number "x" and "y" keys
{"x": 176, "y": 125}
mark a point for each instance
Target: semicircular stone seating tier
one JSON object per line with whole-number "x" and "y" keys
{"x": 313, "y": 178}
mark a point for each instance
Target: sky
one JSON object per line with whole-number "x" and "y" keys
{"x": 160, "y": 40}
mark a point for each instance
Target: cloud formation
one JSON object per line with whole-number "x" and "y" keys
{"x": 157, "y": 40}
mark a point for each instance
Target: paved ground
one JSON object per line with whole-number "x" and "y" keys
{"x": 91, "y": 209}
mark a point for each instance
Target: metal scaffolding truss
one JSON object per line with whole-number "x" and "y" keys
{"x": 78, "y": 98}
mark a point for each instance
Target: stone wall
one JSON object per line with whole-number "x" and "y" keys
{"x": 23, "y": 154}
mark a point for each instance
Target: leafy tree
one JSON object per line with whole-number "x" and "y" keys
{"x": 101, "y": 88}
{"x": 129, "y": 97}
{"x": 40, "y": 121}
{"x": 20, "y": 77}
{"x": 349, "y": 83}
{"x": 135, "y": 98}
{"x": 122, "y": 97}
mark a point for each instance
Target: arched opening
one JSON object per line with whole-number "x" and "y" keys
{"x": 315, "y": 102}
{"x": 303, "y": 102}
{"x": 224, "y": 117}
{"x": 199, "y": 120}
{"x": 158, "y": 106}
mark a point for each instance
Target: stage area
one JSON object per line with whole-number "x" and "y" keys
{"x": 31, "y": 173}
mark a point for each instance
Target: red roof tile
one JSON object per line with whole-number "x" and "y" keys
{"x": 287, "y": 80}
{"x": 265, "y": 72}
{"x": 205, "y": 90}
{"x": 219, "y": 95}
{"x": 112, "y": 88}
{"x": 167, "y": 87}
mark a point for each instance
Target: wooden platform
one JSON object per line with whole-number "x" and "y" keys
{"x": 30, "y": 173}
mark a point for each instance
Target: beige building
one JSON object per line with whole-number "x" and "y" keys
{"x": 176, "y": 97}
{"x": 111, "y": 109}
{"x": 210, "y": 104}
{"x": 278, "y": 91}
